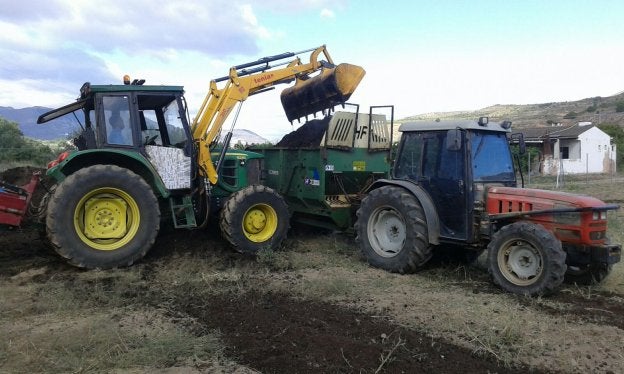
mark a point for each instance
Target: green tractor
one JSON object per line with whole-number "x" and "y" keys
{"x": 139, "y": 157}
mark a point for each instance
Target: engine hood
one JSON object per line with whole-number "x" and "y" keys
{"x": 542, "y": 199}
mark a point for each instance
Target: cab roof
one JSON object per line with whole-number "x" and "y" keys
{"x": 131, "y": 88}
{"x": 87, "y": 90}
{"x": 482, "y": 124}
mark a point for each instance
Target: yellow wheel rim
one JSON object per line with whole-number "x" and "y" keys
{"x": 259, "y": 223}
{"x": 106, "y": 218}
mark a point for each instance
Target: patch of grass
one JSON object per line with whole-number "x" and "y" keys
{"x": 328, "y": 286}
{"x": 310, "y": 251}
{"x": 275, "y": 261}
{"x": 102, "y": 321}
{"x": 101, "y": 342}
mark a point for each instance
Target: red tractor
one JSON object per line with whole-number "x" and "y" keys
{"x": 454, "y": 184}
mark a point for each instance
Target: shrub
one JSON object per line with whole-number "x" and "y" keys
{"x": 15, "y": 147}
{"x": 570, "y": 115}
{"x": 617, "y": 134}
{"x": 619, "y": 106}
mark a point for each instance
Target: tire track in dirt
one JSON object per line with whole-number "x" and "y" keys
{"x": 275, "y": 333}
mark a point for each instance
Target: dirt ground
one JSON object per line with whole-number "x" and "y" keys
{"x": 278, "y": 329}
{"x": 270, "y": 332}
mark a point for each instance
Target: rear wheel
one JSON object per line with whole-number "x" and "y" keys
{"x": 103, "y": 216}
{"x": 255, "y": 218}
{"x": 392, "y": 231}
{"x": 525, "y": 258}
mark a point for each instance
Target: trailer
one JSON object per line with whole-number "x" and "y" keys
{"x": 325, "y": 167}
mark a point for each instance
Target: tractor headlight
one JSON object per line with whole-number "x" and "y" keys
{"x": 599, "y": 215}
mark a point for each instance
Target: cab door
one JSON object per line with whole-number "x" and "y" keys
{"x": 436, "y": 162}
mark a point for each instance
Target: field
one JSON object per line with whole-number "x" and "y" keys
{"x": 194, "y": 306}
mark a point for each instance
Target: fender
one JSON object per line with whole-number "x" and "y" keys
{"x": 127, "y": 159}
{"x": 431, "y": 214}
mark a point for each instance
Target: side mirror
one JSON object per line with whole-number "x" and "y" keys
{"x": 453, "y": 140}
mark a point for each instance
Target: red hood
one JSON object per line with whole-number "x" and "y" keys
{"x": 544, "y": 199}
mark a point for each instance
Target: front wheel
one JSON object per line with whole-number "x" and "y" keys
{"x": 391, "y": 230}
{"x": 255, "y": 218}
{"x": 102, "y": 216}
{"x": 526, "y": 259}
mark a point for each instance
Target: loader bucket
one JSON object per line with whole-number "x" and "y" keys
{"x": 331, "y": 87}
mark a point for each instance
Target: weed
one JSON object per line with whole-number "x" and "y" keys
{"x": 273, "y": 260}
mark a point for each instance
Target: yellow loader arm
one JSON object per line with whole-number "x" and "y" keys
{"x": 332, "y": 86}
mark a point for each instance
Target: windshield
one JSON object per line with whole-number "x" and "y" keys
{"x": 491, "y": 158}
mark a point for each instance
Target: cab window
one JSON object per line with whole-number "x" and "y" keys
{"x": 117, "y": 119}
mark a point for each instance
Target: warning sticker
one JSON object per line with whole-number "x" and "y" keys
{"x": 312, "y": 182}
{"x": 359, "y": 165}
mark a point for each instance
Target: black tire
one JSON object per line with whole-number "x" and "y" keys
{"x": 588, "y": 274}
{"x": 103, "y": 216}
{"x": 391, "y": 230}
{"x": 255, "y": 218}
{"x": 526, "y": 259}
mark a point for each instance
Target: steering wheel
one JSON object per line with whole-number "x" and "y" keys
{"x": 150, "y": 140}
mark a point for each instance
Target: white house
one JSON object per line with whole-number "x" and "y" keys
{"x": 581, "y": 148}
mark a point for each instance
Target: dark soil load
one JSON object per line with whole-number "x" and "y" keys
{"x": 18, "y": 176}
{"x": 307, "y": 136}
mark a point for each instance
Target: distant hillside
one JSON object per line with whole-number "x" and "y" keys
{"x": 598, "y": 110}
{"x": 26, "y": 118}
{"x": 62, "y": 127}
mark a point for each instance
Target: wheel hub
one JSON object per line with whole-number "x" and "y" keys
{"x": 523, "y": 261}
{"x": 389, "y": 233}
{"x": 255, "y": 221}
{"x": 105, "y": 218}
{"x": 260, "y": 223}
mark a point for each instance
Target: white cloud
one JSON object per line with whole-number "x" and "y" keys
{"x": 53, "y": 44}
{"x": 327, "y": 13}
{"x": 252, "y": 22}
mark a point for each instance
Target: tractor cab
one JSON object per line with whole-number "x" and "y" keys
{"x": 121, "y": 120}
{"x": 453, "y": 161}
{"x": 129, "y": 117}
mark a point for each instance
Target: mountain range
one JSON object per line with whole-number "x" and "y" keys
{"x": 26, "y": 118}
{"x": 598, "y": 110}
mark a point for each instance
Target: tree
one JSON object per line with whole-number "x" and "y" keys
{"x": 619, "y": 106}
{"x": 15, "y": 147}
{"x": 11, "y": 140}
{"x": 617, "y": 134}
{"x": 522, "y": 159}
{"x": 570, "y": 115}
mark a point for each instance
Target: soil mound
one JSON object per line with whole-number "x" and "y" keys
{"x": 307, "y": 136}
{"x": 19, "y": 176}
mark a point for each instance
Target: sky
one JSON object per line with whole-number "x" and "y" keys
{"x": 420, "y": 56}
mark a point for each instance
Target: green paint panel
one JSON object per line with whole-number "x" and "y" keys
{"x": 323, "y": 186}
